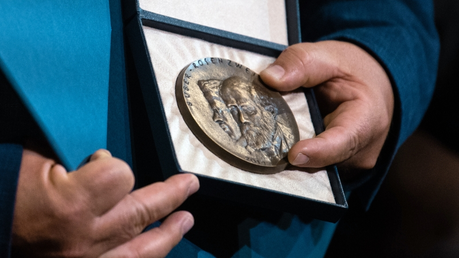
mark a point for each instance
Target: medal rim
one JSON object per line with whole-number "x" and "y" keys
{"x": 213, "y": 146}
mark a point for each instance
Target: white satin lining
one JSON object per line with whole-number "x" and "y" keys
{"x": 261, "y": 19}
{"x": 170, "y": 53}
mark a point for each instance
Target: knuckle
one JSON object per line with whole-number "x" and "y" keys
{"x": 145, "y": 215}
{"x": 71, "y": 211}
{"x": 124, "y": 170}
{"x": 126, "y": 229}
{"x": 351, "y": 145}
{"x": 117, "y": 165}
{"x": 299, "y": 55}
{"x": 125, "y": 234}
{"x": 356, "y": 146}
{"x": 117, "y": 171}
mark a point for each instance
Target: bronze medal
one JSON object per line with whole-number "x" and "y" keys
{"x": 236, "y": 116}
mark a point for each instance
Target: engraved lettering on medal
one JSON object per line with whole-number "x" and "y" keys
{"x": 250, "y": 159}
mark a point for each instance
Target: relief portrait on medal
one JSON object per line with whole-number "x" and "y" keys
{"x": 246, "y": 113}
{"x": 235, "y": 116}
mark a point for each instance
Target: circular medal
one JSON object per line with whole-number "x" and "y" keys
{"x": 236, "y": 116}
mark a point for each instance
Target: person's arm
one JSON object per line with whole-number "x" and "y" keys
{"x": 366, "y": 51}
{"x": 92, "y": 212}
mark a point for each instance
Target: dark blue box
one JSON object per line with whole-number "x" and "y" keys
{"x": 152, "y": 141}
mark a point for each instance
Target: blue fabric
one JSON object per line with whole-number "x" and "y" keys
{"x": 57, "y": 57}
{"x": 289, "y": 236}
{"x": 118, "y": 128}
{"x": 68, "y": 69}
{"x": 402, "y": 36}
{"x": 297, "y": 240}
{"x": 10, "y": 162}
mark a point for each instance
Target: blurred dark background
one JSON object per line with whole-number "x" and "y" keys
{"x": 416, "y": 212}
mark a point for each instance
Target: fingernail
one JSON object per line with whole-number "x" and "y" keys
{"x": 106, "y": 152}
{"x": 99, "y": 154}
{"x": 300, "y": 159}
{"x": 187, "y": 224}
{"x": 275, "y": 71}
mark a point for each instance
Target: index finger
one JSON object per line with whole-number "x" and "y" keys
{"x": 349, "y": 131}
{"x": 149, "y": 204}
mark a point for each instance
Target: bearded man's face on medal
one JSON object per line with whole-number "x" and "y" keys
{"x": 258, "y": 126}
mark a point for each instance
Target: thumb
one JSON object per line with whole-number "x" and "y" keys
{"x": 347, "y": 133}
{"x": 304, "y": 64}
{"x": 328, "y": 148}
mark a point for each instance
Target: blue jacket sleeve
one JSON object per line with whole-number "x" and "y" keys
{"x": 10, "y": 162}
{"x": 401, "y": 35}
